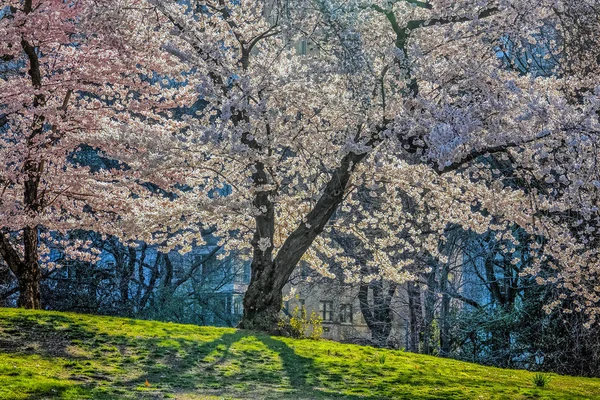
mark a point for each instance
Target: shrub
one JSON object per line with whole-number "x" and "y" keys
{"x": 541, "y": 380}
{"x": 299, "y": 325}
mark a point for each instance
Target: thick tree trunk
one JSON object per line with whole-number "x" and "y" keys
{"x": 29, "y": 287}
{"x": 263, "y": 299}
{"x": 27, "y": 270}
{"x": 28, "y": 273}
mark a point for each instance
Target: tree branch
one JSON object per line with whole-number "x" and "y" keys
{"x": 420, "y": 23}
{"x": 9, "y": 254}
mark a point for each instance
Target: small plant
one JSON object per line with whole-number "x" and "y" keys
{"x": 300, "y": 325}
{"x": 316, "y": 326}
{"x": 381, "y": 357}
{"x": 540, "y": 379}
{"x": 298, "y": 322}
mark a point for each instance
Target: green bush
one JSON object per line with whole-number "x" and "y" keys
{"x": 541, "y": 380}
{"x": 299, "y": 325}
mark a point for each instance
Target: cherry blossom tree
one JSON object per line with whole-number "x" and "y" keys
{"x": 72, "y": 73}
{"x": 399, "y": 99}
{"x": 406, "y": 98}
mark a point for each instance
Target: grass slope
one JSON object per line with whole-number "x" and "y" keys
{"x": 73, "y": 356}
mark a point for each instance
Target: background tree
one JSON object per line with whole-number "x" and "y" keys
{"x": 74, "y": 73}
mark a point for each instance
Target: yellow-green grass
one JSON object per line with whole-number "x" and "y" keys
{"x": 73, "y": 356}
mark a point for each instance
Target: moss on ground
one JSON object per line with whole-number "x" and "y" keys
{"x": 51, "y": 355}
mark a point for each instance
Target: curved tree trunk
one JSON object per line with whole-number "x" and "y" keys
{"x": 26, "y": 269}
{"x": 263, "y": 299}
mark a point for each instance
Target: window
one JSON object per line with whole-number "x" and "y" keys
{"x": 301, "y": 304}
{"x": 301, "y": 47}
{"x": 238, "y": 274}
{"x": 304, "y": 272}
{"x": 346, "y": 313}
{"x": 227, "y": 304}
{"x": 247, "y": 272}
{"x": 238, "y": 306}
{"x": 326, "y": 308}
{"x": 241, "y": 273}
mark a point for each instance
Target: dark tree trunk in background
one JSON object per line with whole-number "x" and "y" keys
{"x": 142, "y": 300}
{"x": 378, "y": 312}
{"x": 444, "y": 313}
{"x": 502, "y": 284}
{"x": 415, "y": 315}
{"x": 375, "y": 297}
{"x": 127, "y": 270}
{"x": 430, "y": 302}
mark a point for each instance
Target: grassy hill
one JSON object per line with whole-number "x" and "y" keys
{"x": 72, "y": 356}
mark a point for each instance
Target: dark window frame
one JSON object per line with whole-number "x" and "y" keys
{"x": 326, "y": 310}
{"x": 346, "y": 314}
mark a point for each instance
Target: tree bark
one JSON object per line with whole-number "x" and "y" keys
{"x": 26, "y": 269}
{"x": 126, "y": 271}
{"x": 142, "y": 300}
{"x": 29, "y": 287}
{"x": 29, "y": 275}
{"x": 262, "y": 301}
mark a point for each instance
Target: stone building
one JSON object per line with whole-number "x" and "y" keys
{"x": 338, "y": 305}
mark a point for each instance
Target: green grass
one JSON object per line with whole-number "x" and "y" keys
{"x": 51, "y": 355}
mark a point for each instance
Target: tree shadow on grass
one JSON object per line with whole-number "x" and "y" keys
{"x": 103, "y": 364}
{"x": 240, "y": 364}
{"x": 304, "y": 375}
{"x": 115, "y": 362}
{"x": 49, "y": 336}
{"x": 297, "y": 368}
